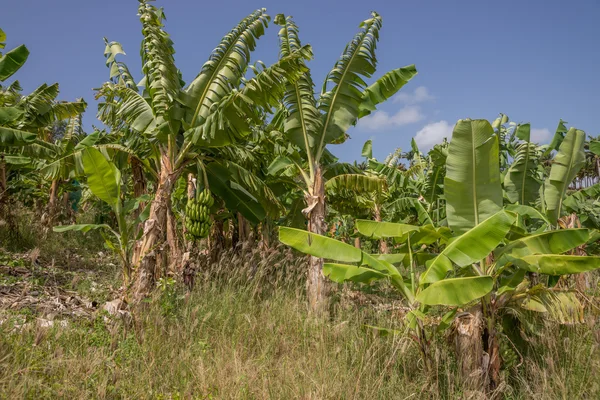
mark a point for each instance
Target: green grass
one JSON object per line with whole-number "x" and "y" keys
{"x": 225, "y": 342}
{"x": 244, "y": 333}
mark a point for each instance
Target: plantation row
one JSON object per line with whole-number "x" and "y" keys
{"x": 483, "y": 233}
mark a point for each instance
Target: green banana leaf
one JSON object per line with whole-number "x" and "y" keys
{"x": 552, "y": 264}
{"x": 470, "y": 247}
{"x": 12, "y": 61}
{"x": 523, "y": 132}
{"x": 367, "y": 150}
{"x": 319, "y": 246}
{"x": 15, "y": 138}
{"x": 567, "y": 163}
{"x": 384, "y": 88}
{"x": 104, "y": 179}
{"x": 558, "y": 137}
{"x": 343, "y": 272}
{"x": 324, "y": 247}
{"x": 456, "y": 291}
{"x": 9, "y": 114}
{"x": 378, "y": 230}
{"x": 472, "y": 183}
{"x": 552, "y": 242}
{"x": 222, "y": 184}
{"x": 595, "y": 147}
{"x": 529, "y": 211}
{"x": 82, "y": 227}
{"x": 521, "y": 183}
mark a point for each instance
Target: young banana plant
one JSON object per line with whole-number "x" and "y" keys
{"x": 480, "y": 268}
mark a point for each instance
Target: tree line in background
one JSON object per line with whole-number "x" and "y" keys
{"x": 486, "y": 232}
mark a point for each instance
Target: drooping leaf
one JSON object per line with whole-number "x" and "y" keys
{"x": 343, "y": 272}
{"x": 384, "y": 88}
{"x": 82, "y": 227}
{"x": 319, "y": 246}
{"x": 15, "y": 138}
{"x": 456, "y": 291}
{"x": 356, "y": 184}
{"x": 378, "y": 230}
{"x": 220, "y": 180}
{"x": 9, "y": 114}
{"x": 559, "y": 136}
{"x": 528, "y": 211}
{"x": 324, "y": 247}
{"x": 12, "y": 61}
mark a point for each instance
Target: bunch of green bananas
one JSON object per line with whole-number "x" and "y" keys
{"x": 198, "y": 215}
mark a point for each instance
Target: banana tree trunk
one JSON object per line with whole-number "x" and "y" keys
{"x": 53, "y": 201}
{"x": 140, "y": 186}
{"x": 265, "y": 233}
{"x": 244, "y": 228}
{"x": 383, "y": 248}
{"x": 173, "y": 241}
{"x": 468, "y": 331}
{"x": 3, "y": 186}
{"x": 152, "y": 246}
{"x": 316, "y": 283}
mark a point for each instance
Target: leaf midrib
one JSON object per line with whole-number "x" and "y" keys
{"x": 474, "y": 175}
{"x": 525, "y": 175}
{"x": 217, "y": 69}
{"x": 334, "y": 97}
{"x": 567, "y": 180}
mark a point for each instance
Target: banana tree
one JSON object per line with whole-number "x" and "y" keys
{"x": 312, "y": 124}
{"x": 26, "y": 122}
{"x": 482, "y": 269}
{"x": 216, "y": 109}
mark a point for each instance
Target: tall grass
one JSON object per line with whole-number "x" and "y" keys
{"x": 244, "y": 333}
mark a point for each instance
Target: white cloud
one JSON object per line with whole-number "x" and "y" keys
{"x": 540, "y": 135}
{"x": 420, "y": 95}
{"x": 432, "y": 134}
{"x": 381, "y": 119}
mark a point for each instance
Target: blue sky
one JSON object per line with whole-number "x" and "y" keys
{"x": 535, "y": 60}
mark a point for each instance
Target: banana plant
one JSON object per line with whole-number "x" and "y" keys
{"x": 218, "y": 108}
{"x": 104, "y": 181}
{"x": 27, "y": 121}
{"x": 481, "y": 265}
{"x": 312, "y": 124}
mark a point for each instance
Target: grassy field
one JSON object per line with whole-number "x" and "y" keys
{"x": 243, "y": 332}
